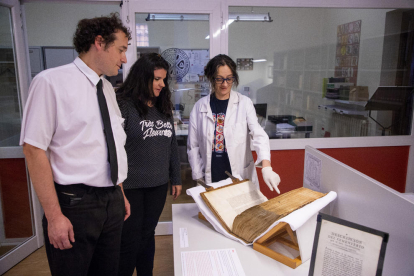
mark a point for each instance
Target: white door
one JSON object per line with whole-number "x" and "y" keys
{"x": 20, "y": 227}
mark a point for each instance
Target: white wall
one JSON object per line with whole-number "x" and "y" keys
{"x": 176, "y": 34}
{"x": 53, "y": 24}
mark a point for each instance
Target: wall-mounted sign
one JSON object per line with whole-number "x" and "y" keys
{"x": 198, "y": 60}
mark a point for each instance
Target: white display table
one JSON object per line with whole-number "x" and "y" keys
{"x": 202, "y": 236}
{"x": 361, "y": 200}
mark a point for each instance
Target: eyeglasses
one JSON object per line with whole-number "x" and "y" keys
{"x": 221, "y": 80}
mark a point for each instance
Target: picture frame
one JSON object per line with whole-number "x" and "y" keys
{"x": 345, "y": 247}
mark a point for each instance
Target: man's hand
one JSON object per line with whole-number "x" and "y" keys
{"x": 127, "y": 205}
{"x": 127, "y": 208}
{"x": 60, "y": 232}
{"x": 59, "y": 227}
{"x": 176, "y": 190}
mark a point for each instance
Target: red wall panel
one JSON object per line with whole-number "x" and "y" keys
{"x": 15, "y": 198}
{"x": 387, "y": 165}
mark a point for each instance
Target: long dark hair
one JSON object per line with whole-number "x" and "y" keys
{"x": 138, "y": 85}
{"x": 212, "y": 66}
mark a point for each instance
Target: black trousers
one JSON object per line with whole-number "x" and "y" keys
{"x": 138, "y": 242}
{"x": 97, "y": 216}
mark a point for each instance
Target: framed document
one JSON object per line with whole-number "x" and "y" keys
{"x": 341, "y": 247}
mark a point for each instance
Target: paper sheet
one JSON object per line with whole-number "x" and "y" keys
{"x": 183, "y": 237}
{"x": 343, "y": 250}
{"x": 221, "y": 262}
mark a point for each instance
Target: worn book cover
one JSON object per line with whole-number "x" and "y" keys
{"x": 246, "y": 213}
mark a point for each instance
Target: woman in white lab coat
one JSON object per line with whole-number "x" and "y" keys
{"x": 222, "y": 125}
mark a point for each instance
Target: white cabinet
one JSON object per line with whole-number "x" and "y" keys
{"x": 36, "y": 60}
{"x": 57, "y": 56}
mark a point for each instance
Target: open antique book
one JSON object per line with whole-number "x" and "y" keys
{"x": 246, "y": 213}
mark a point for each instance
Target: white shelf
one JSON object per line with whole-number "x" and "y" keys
{"x": 343, "y": 110}
{"x": 360, "y": 103}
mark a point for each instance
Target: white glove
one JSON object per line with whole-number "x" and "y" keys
{"x": 271, "y": 178}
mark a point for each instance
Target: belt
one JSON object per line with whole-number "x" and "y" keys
{"x": 82, "y": 187}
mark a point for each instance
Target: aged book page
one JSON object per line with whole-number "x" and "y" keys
{"x": 257, "y": 219}
{"x": 231, "y": 200}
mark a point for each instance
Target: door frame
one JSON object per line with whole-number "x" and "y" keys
{"x": 217, "y": 46}
{"x": 213, "y": 9}
{"x": 23, "y": 73}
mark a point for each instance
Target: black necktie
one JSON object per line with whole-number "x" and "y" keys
{"x": 109, "y": 136}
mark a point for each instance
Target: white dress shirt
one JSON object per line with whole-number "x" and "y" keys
{"x": 62, "y": 117}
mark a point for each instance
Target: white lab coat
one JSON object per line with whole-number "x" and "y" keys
{"x": 240, "y": 125}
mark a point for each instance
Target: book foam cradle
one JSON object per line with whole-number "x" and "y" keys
{"x": 282, "y": 234}
{"x": 288, "y": 240}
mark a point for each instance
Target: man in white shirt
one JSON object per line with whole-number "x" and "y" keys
{"x": 73, "y": 140}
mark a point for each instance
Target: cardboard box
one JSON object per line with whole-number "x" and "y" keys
{"x": 358, "y": 93}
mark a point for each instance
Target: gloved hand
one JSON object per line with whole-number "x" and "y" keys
{"x": 271, "y": 178}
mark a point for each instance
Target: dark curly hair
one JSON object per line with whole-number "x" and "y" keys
{"x": 88, "y": 29}
{"x": 138, "y": 85}
{"x": 210, "y": 71}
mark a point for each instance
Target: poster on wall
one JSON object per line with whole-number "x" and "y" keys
{"x": 198, "y": 60}
{"x": 345, "y": 248}
{"x": 187, "y": 65}
{"x": 312, "y": 172}
{"x": 244, "y": 64}
{"x": 347, "y": 51}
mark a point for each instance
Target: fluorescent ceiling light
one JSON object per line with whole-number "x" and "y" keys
{"x": 176, "y": 17}
{"x": 259, "y": 17}
{"x": 259, "y": 60}
{"x": 233, "y": 16}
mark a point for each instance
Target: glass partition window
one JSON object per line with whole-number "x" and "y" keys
{"x": 10, "y": 120}
{"x": 319, "y": 72}
{"x": 15, "y": 212}
{"x": 185, "y": 45}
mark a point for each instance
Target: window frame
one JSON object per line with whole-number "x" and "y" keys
{"x": 218, "y": 10}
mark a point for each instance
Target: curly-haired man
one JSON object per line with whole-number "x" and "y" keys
{"x": 73, "y": 141}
